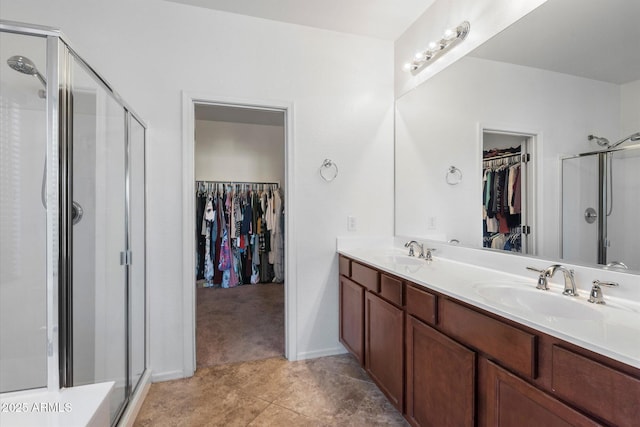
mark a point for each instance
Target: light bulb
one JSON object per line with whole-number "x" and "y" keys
{"x": 407, "y": 66}
{"x": 436, "y": 46}
{"x": 419, "y": 56}
{"x": 450, "y": 34}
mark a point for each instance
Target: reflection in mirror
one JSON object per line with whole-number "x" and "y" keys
{"x": 567, "y": 70}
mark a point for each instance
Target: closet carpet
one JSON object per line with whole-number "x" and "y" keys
{"x": 239, "y": 324}
{"x": 328, "y": 391}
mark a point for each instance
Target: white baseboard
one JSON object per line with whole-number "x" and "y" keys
{"x": 321, "y": 353}
{"x": 167, "y": 376}
{"x": 130, "y": 414}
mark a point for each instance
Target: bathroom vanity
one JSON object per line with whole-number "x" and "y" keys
{"x": 451, "y": 344}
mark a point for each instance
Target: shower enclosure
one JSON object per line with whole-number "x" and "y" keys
{"x": 72, "y": 233}
{"x": 600, "y": 204}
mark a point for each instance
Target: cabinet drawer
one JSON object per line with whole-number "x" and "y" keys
{"x": 421, "y": 304}
{"x": 344, "y": 266}
{"x": 391, "y": 289}
{"x": 596, "y": 388}
{"x": 367, "y": 277}
{"x": 511, "y": 347}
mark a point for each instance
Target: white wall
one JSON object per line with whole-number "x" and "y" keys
{"x": 341, "y": 87}
{"x": 444, "y": 131}
{"x": 227, "y": 151}
{"x": 630, "y": 109}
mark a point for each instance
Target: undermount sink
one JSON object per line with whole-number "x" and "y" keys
{"x": 402, "y": 260}
{"x": 528, "y": 299}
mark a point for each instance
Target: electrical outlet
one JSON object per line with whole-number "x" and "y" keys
{"x": 351, "y": 223}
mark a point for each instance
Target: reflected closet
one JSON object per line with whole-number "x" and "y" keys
{"x": 506, "y": 192}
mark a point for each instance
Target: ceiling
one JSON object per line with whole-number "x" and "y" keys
{"x": 382, "y": 19}
{"x": 593, "y": 39}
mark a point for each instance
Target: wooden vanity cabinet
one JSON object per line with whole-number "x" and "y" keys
{"x": 444, "y": 362}
{"x": 352, "y": 317}
{"x": 506, "y": 400}
{"x": 383, "y": 349}
{"x": 441, "y": 378}
{"x": 372, "y": 325}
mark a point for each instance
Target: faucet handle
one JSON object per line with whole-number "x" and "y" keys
{"x": 542, "y": 279}
{"x": 595, "y": 296}
{"x": 429, "y": 253}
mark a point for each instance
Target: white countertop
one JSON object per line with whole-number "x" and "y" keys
{"x": 612, "y": 330}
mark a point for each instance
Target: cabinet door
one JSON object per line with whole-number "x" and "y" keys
{"x": 352, "y": 317}
{"x": 440, "y": 378}
{"x": 384, "y": 347}
{"x": 510, "y": 401}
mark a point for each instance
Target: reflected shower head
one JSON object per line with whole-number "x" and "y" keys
{"x": 24, "y": 65}
{"x": 632, "y": 137}
{"x": 603, "y": 142}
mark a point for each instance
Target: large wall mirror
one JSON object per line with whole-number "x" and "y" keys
{"x": 531, "y": 143}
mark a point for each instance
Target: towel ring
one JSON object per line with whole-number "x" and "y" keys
{"x": 454, "y": 176}
{"x": 328, "y": 170}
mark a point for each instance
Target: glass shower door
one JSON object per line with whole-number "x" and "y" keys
{"x": 99, "y": 281}
{"x": 580, "y": 209}
{"x": 622, "y": 187}
{"x": 23, "y": 217}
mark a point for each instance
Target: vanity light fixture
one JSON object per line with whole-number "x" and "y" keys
{"x": 450, "y": 38}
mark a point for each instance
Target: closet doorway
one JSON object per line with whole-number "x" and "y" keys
{"x": 239, "y": 242}
{"x": 507, "y": 191}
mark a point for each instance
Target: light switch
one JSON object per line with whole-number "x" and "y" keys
{"x": 432, "y": 223}
{"x": 351, "y": 223}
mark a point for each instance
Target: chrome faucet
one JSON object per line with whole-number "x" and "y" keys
{"x": 547, "y": 273}
{"x": 413, "y": 243}
{"x": 569, "y": 281}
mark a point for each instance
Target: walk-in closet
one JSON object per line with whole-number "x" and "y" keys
{"x": 505, "y": 189}
{"x": 240, "y": 227}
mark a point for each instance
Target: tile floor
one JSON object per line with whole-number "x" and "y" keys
{"x": 328, "y": 391}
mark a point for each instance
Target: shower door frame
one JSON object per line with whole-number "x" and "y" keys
{"x": 65, "y": 309}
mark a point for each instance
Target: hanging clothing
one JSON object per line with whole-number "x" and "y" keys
{"x": 240, "y": 235}
{"x": 201, "y": 200}
{"x": 501, "y": 204}
{"x": 278, "y": 238}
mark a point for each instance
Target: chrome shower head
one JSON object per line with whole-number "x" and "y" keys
{"x": 24, "y": 65}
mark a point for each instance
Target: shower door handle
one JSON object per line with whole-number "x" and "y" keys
{"x": 125, "y": 258}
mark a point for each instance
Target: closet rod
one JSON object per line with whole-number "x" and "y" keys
{"x": 239, "y": 182}
{"x": 503, "y": 156}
